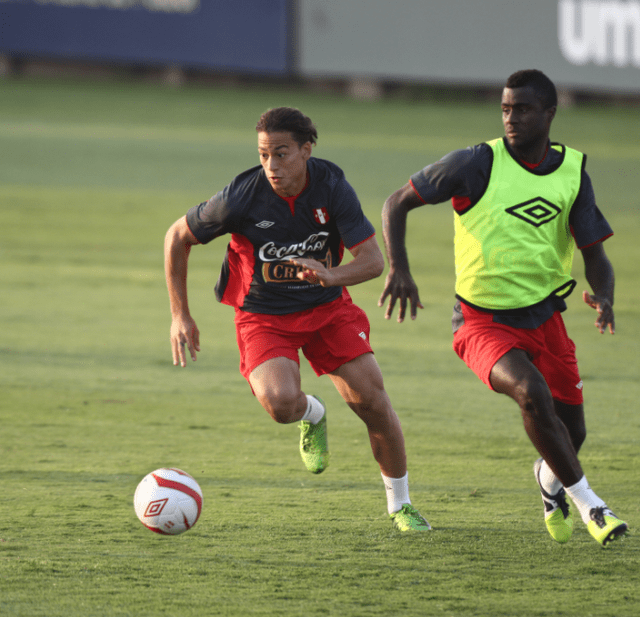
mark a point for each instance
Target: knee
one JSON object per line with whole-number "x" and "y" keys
{"x": 534, "y": 398}
{"x": 281, "y": 406}
{"x": 375, "y": 412}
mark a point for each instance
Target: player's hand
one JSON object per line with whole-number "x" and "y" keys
{"x": 400, "y": 286}
{"x": 605, "y": 312}
{"x": 184, "y": 335}
{"x": 313, "y": 271}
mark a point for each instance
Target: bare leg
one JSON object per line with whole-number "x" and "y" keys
{"x": 572, "y": 417}
{"x": 360, "y": 384}
{"x": 276, "y": 384}
{"x": 516, "y": 376}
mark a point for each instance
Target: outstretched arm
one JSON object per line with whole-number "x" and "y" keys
{"x": 600, "y": 276}
{"x": 184, "y": 332}
{"x": 399, "y": 284}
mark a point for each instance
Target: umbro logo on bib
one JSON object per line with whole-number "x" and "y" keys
{"x": 264, "y": 224}
{"x": 536, "y": 211}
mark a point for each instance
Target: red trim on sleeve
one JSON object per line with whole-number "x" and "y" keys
{"x": 416, "y": 192}
{"x": 586, "y": 246}
{"x": 362, "y": 241}
{"x": 191, "y": 230}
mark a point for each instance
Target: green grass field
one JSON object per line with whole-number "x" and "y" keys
{"x": 91, "y": 176}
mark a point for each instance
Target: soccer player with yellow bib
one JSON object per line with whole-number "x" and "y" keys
{"x": 521, "y": 206}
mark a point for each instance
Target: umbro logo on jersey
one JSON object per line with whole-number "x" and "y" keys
{"x": 264, "y": 224}
{"x": 536, "y": 211}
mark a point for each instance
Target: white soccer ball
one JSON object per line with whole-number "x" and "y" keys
{"x": 168, "y": 501}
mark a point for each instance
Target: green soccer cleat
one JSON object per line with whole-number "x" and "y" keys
{"x": 314, "y": 448}
{"x": 605, "y": 526}
{"x": 408, "y": 518}
{"x": 557, "y": 513}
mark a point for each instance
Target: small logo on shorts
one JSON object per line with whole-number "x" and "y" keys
{"x": 579, "y": 385}
{"x": 264, "y": 224}
{"x": 362, "y": 335}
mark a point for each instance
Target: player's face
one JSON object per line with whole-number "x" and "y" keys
{"x": 284, "y": 162}
{"x": 526, "y": 122}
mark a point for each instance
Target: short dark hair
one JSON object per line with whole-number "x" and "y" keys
{"x": 288, "y": 120}
{"x": 537, "y": 80}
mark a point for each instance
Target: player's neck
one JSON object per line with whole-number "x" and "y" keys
{"x": 531, "y": 156}
{"x": 291, "y": 199}
{"x": 538, "y": 162}
{"x": 295, "y": 191}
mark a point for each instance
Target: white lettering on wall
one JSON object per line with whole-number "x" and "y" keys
{"x": 605, "y": 32}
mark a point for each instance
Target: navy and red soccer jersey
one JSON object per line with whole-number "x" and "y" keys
{"x": 257, "y": 275}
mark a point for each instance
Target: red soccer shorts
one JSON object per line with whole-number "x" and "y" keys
{"x": 329, "y": 335}
{"x": 481, "y": 343}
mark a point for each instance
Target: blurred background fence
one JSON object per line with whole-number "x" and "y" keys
{"x": 588, "y": 47}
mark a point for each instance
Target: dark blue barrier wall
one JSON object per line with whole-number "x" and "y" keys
{"x": 250, "y": 36}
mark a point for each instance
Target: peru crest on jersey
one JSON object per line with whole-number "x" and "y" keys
{"x": 321, "y": 215}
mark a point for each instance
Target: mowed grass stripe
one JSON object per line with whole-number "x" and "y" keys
{"x": 609, "y": 150}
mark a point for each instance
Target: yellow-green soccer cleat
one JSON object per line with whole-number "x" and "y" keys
{"x": 314, "y": 447}
{"x": 605, "y": 526}
{"x": 557, "y": 513}
{"x": 408, "y": 518}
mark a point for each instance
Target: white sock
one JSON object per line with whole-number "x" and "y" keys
{"x": 397, "y": 492}
{"x": 548, "y": 480}
{"x": 315, "y": 410}
{"x": 583, "y": 496}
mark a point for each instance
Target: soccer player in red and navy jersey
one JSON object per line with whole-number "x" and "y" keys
{"x": 521, "y": 205}
{"x": 290, "y": 219}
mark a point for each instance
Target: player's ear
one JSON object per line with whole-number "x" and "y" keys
{"x": 551, "y": 113}
{"x": 306, "y": 150}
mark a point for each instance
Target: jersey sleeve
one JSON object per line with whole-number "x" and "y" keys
{"x": 461, "y": 173}
{"x": 212, "y": 218}
{"x": 588, "y": 224}
{"x": 353, "y": 225}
